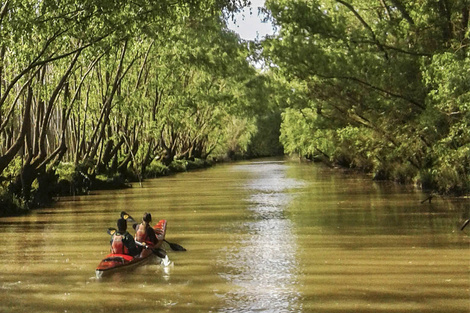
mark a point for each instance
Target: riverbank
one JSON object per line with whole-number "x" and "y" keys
{"x": 70, "y": 180}
{"x": 430, "y": 191}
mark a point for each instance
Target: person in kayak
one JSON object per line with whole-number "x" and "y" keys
{"x": 146, "y": 234}
{"x": 122, "y": 242}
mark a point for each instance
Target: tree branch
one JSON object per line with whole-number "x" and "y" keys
{"x": 10, "y": 112}
{"x": 369, "y": 85}
{"x": 403, "y": 11}
{"x": 364, "y": 23}
{"x": 11, "y": 153}
{"x": 3, "y": 11}
{"x": 52, "y": 99}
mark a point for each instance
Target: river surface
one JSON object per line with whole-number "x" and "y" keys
{"x": 262, "y": 236}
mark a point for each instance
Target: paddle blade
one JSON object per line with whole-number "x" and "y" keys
{"x": 126, "y": 216}
{"x": 129, "y": 218}
{"x": 175, "y": 246}
{"x": 111, "y": 231}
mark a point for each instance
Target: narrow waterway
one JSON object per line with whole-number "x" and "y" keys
{"x": 262, "y": 236}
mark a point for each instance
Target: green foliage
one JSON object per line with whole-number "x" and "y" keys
{"x": 197, "y": 164}
{"x": 381, "y": 86}
{"x": 300, "y": 134}
{"x": 14, "y": 168}
{"x": 156, "y": 169}
{"x": 66, "y": 171}
{"x": 236, "y": 137}
{"x": 106, "y": 87}
{"x": 356, "y": 148}
{"x": 448, "y": 115}
{"x": 103, "y": 182}
{"x": 11, "y": 204}
{"x": 178, "y": 166}
{"x": 265, "y": 142}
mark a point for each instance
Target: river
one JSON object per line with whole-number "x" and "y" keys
{"x": 262, "y": 236}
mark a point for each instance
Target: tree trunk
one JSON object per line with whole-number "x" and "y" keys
{"x": 19, "y": 142}
{"x": 107, "y": 105}
{"x": 45, "y": 122}
{"x": 122, "y": 168}
{"x": 148, "y": 156}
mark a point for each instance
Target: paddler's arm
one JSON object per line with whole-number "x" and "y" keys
{"x": 157, "y": 237}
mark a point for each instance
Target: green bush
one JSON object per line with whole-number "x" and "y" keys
{"x": 66, "y": 171}
{"x": 156, "y": 169}
{"x": 403, "y": 173}
{"x": 196, "y": 163}
{"x": 10, "y": 204}
{"x": 179, "y": 166}
{"x": 426, "y": 180}
{"x": 14, "y": 168}
{"x": 104, "y": 182}
{"x": 71, "y": 179}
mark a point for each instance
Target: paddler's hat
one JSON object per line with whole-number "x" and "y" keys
{"x": 122, "y": 224}
{"x": 147, "y": 217}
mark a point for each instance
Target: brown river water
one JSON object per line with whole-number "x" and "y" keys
{"x": 262, "y": 236}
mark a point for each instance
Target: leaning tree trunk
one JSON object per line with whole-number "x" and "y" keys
{"x": 25, "y": 128}
{"x": 122, "y": 168}
{"x": 104, "y": 120}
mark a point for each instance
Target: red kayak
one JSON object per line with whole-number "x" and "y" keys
{"x": 114, "y": 262}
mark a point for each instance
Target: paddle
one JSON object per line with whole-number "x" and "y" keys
{"x": 465, "y": 224}
{"x": 173, "y": 246}
{"x": 159, "y": 252}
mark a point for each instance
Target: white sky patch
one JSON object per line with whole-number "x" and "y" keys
{"x": 248, "y": 25}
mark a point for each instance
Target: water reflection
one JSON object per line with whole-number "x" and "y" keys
{"x": 262, "y": 263}
{"x": 257, "y": 240}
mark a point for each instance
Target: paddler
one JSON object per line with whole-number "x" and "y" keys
{"x": 122, "y": 242}
{"x": 146, "y": 234}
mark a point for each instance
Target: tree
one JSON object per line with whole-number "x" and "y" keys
{"x": 361, "y": 65}
{"x": 90, "y": 87}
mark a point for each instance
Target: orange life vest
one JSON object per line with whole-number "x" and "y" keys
{"x": 117, "y": 246}
{"x": 141, "y": 233}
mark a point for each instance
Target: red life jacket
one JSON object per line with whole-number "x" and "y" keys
{"x": 117, "y": 246}
{"x": 145, "y": 234}
{"x": 141, "y": 233}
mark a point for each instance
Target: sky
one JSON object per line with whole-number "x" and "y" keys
{"x": 249, "y": 26}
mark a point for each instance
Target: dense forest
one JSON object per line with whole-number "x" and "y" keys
{"x": 381, "y": 86}
{"x": 99, "y": 92}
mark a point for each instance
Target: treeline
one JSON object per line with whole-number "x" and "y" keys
{"x": 96, "y": 92}
{"x": 378, "y": 85}
{"x": 100, "y": 90}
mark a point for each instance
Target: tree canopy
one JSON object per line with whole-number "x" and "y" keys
{"x": 380, "y": 85}
{"x": 128, "y": 89}
{"x": 117, "y": 86}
